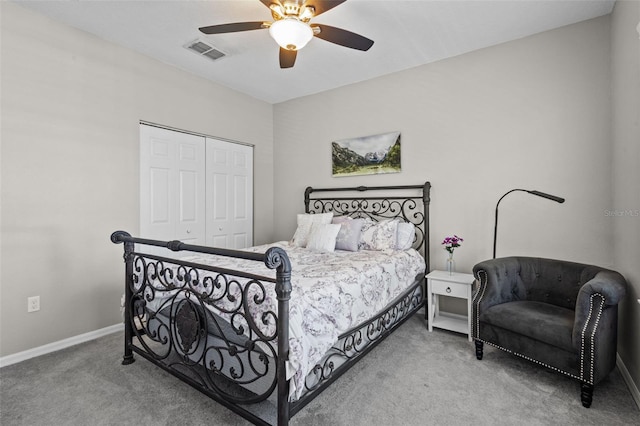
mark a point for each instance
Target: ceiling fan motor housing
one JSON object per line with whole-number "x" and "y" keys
{"x": 291, "y": 9}
{"x": 291, "y": 33}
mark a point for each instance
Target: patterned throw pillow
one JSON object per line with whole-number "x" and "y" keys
{"x": 349, "y": 235}
{"x": 378, "y": 236}
{"x": 323, "y": 237}
{"x": 405, "y": 235}
{"x": 305, "y": 221}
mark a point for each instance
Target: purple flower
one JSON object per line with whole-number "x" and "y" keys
{"x": 450, "y": 243}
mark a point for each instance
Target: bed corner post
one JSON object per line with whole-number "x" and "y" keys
{"x": 122, "y": 237}
{"x": 276, "y": 258}
{"x": 307, "y": 198}
{"x": 426, "y": 199}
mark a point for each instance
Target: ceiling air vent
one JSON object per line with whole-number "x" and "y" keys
{"x": 204, "y": 49}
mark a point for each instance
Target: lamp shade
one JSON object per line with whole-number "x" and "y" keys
{"x": 290, "y": 33}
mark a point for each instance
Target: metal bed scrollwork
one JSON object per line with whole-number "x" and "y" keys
{"x": 237, "y": 353}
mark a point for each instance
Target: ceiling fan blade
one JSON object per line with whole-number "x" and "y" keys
{"x": 287, "y": 58}
{"x": 321, "y": 6}
{"x": 343, "y": 37}
{"x": 232, "y": 28}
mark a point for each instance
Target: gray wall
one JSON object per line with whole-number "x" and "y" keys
{"x": 533, "y": 113}
{"x": 71, "y": 104}
{"x": 625, "y": 67}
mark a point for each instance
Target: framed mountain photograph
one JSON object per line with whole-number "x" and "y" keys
{"x": 366, "y": 155}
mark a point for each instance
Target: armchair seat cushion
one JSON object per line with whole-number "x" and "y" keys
{"x": 539, "y": 321}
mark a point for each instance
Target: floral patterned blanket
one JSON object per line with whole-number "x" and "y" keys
{"x": 331, "y": 293}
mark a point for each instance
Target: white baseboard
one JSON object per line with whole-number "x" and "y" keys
{"x": 633, "y": 388}
{"x": 56, "y": 346}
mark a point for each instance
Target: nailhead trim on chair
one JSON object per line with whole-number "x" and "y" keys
{"x": 531, "y": 359}
{"x": 593, "y": 333}
{"x": 479, "y": 296}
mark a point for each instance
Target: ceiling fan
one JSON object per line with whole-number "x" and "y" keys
{"x": 292, "y": 30}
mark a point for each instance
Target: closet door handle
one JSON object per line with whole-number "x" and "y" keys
{"x": 188, "y": 231}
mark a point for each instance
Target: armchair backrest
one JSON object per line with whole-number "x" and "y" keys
{"x": 542, "y": 280}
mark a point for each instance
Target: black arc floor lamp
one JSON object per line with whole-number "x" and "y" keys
{"x": 538, "y": 193}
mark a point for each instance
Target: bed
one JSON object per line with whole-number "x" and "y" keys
{"x": 264, "y": 330}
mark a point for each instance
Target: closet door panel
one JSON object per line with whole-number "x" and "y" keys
{"x": 191, "y": 217}
{"x": 172, "y": 185}
{"x": 240, "y": 241}
{"x": 240, "y": 188}
{"x": 157, "y": 155}
{"x": 187, "y": 226}
{"x": 160, "y": 213}
{"x": 229, "y": 194}
{"x": 219, "y": 196}
{"x": 242, "y": 172}
{"x": 241, "y": 214}
{"x": 219, "y": 241}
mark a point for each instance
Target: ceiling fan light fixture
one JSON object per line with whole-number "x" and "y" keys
{"x": 290, "y": 33}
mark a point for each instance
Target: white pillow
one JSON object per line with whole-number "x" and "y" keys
{"x": 405, "y": 235}
{"x": 323, "y": 237}
{"x": 379, "y": 236}
{"x": 305, "y": 221}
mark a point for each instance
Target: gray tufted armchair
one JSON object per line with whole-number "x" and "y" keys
{"x": 562, "y": 315}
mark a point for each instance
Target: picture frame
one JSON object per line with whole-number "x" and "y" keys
{"x": 366, "y": 155}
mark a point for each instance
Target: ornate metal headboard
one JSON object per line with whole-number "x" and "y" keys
{"x": 409, "y": 203}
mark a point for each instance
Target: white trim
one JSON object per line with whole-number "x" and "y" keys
{"x": 60, "y": 344}
{"x": 204, "y": 135}
{"x": 633, "y": 388}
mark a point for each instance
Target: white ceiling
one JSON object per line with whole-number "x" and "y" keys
{"x": 406, "y": 34}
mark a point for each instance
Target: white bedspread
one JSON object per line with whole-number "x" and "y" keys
{"x": 331, "y": 293}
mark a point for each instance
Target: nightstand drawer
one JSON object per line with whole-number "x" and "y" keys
{"x": 446, "y": 288}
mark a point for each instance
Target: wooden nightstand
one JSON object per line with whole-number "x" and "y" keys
{"x": 440, "y": 283}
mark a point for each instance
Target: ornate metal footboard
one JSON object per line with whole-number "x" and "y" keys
{"x": 236, "y": 357}
{"x": 226, "y": 331}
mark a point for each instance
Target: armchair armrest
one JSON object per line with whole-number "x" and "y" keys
{"x": 605, "y": 290}
{"x": 608, "y": 283}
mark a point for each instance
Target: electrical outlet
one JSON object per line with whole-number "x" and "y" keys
{"x": 33, "y": 304}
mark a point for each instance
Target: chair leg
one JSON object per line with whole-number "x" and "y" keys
{"x": 586, "y": 394}
{"x": 479, "y": 348}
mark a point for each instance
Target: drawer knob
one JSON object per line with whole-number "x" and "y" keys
{"x": 448, "y": 290}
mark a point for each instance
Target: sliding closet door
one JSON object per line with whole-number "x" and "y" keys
{"x": 229, "y": 194}
{"x": 172, "y": 185}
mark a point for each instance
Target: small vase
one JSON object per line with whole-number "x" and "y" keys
{"x": 451, "y": 264}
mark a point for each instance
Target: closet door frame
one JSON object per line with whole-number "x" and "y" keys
{"x": 203, "y": 235}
